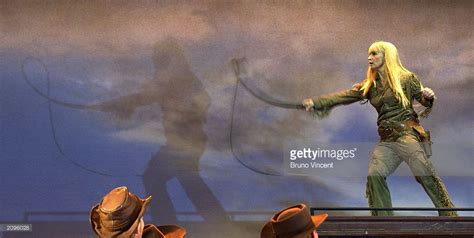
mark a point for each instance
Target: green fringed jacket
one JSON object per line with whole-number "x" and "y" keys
{"x": 380, "y": 96}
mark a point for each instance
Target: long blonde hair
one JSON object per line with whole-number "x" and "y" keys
{"x": 393, "y": 69}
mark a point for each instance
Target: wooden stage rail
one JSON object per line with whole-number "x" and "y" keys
{"x": 396, "y": 226}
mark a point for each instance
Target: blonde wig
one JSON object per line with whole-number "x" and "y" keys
{"x": 393, "y": 68}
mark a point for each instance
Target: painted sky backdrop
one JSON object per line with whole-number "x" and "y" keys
{"x": 98, "y": 51}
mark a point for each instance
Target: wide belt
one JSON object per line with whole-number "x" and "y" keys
{"x": 391, "y": 131}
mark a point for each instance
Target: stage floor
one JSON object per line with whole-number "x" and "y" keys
{"x": 335, "y": 226}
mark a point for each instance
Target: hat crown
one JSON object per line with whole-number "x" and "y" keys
{"x": 288, "y": 213}
{"x": 114, "y": 200}
{"x": 118, "y": 213}
{"x": 292, "y": 221}
{"x": 119, "y": 209}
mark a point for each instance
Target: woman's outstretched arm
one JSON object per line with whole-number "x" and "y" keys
{"x": 328, "y": 101}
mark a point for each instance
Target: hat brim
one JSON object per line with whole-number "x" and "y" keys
{"x": 102, "y": 232}
{"x": 319, "y": 219}
{"x": 267, "y": 231}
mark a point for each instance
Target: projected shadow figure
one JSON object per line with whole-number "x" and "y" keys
{"x": 184, "y": 106}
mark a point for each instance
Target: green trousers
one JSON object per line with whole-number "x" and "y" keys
{"x": 386, "y": 157}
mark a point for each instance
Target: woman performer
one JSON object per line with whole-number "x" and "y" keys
{"x": 391, "y": 88}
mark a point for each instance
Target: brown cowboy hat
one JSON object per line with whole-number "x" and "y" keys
{"x": 292, "y": 222}
{"x": 119, "y": 213}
